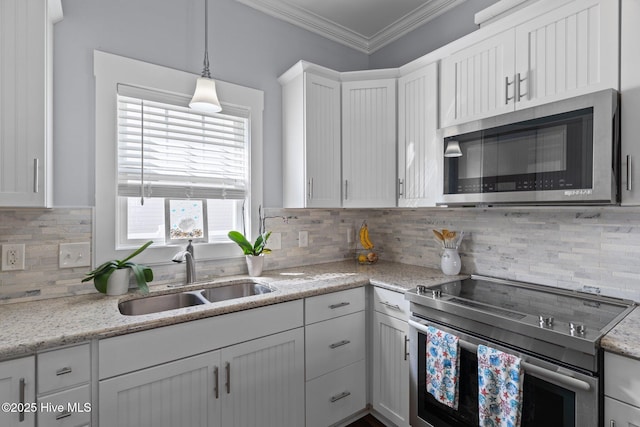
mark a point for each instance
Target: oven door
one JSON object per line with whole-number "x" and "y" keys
{"x": 553, "y": 396}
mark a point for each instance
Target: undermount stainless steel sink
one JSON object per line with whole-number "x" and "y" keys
{"x": 236, "y": 290}
{"x": 157, "y": 303}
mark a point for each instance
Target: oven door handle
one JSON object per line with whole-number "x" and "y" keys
{"x": 565, "y": 380}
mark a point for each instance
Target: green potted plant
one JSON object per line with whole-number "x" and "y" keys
{"x": 253, "y": 252}
{"x": 112, "y": 277}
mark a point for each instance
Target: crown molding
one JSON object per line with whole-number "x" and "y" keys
{"x": 338, "y": 33}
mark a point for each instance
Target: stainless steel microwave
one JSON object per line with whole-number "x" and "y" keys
{"x": 560, "y": 153}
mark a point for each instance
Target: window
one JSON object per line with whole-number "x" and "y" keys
{"x": 182, "y": 175}
{"x": 166, "y": 173}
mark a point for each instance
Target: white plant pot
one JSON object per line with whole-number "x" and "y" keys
{"x": 255, "y": 264}
{"x": 118, "y": 283}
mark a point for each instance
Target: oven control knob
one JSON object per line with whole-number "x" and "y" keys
{"x": 422, "y": 289}
{"x": 436, "y": 293}
{"x": 578, "y": 328}
{"x": 546, "y": 321}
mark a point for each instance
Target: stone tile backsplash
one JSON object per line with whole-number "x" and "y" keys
{"x": 583, "y": 248}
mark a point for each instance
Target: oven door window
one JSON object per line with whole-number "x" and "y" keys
{"x": 550, "y": 153}
{"x": 544, "y": 404}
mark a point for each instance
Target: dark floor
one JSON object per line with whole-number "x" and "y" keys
{"x": 366, "y": 421}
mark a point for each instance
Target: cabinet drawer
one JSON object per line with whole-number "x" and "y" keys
{"x": 63, "y": 368}
{"x": 335, "y": 343}
{"x": 69, "y": 408}
{"x": 336, "y": 396}
{"x": 390, "y": 303}
{"x": 332, "y": 305}
{"x": 622, "y": 378}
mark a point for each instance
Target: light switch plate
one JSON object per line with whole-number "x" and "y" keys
{"x": 74, "y": 255}
{"x": 13, "y": 257}
{"x": 303, "y": 239}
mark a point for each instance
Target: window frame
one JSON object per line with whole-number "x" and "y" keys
{"x": 111, "y": 70}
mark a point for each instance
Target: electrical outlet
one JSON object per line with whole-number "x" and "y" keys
{"x": 303, "y": 239}
{"x": 275, "y": 241}
{"x": 13, "y": 257}
{"x": 74, "y": 255}
{"x": 349, "y": 235}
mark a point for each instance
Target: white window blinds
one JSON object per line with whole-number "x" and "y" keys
{"x": 167, "y": 150}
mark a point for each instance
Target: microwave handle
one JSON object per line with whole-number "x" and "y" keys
{"x": 566, "y": 380}
{"x": 629, "y": 172}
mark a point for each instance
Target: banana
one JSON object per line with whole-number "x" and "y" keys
{"x": 364, "y": 237}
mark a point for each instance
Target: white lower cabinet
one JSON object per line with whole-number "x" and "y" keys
{"x": 619, "y": 414}
{"x": 176, "y": 393}
{"x": 391, "y": 368}
{"x": 239, "y": 369}
{"x": 390, "y": 347}
{"x": 622, "y": 391}
{"x": 336, "y": 395}
{"x": 335, "y": 355}
{"x": 18, "y": 385}
{"x": 256, "y": 383}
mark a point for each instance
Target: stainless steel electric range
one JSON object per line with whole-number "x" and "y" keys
{"x": 556, "y": 332}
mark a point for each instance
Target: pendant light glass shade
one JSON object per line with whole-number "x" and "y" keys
{"x": 205, "y": 97}
{"x": 453, "y": 149}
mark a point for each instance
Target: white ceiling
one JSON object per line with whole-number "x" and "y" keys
{"x": 365, "y": 25}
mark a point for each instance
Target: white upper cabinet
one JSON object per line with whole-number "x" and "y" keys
{"x": 26, "y": 32}
{"x": 311, "y": 147}
{"x": 568, "y": 51}
{"x": 477, "y": 81}
{"x": 630, "y": 102}
{"x": 369, "y": 143}
{"x": 419, "y": 161}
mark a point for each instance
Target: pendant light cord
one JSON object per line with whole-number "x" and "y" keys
{"x": 205, "y": 71}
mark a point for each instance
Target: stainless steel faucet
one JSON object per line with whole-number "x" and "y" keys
{"x": 187, "y": 255}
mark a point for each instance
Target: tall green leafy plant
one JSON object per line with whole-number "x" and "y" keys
{"x": 255, "y": 249}
{"x": 142, "y": 273}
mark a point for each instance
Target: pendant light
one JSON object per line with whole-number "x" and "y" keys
{"x": 205, "y": 97}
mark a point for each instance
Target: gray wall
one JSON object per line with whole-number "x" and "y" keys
{"x": 246, "y": 47}
{"x": 444, "y": 29}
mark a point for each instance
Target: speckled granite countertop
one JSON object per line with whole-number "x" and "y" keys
{"x": 31, "y": 326}
{"x": 624, "y": 339}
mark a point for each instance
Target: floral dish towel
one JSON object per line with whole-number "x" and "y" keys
{"x": 500, "y": 377}
{"x": 442, "y": 366}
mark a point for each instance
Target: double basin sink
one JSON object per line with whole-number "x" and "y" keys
{"x": 158, "y": 303}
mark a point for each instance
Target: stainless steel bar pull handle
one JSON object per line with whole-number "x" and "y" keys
{"x": 406, "y": 345}
{"x": 227, "y": 368}
{"x": 507, "y": 98}
{"x": 216, "y": 389}
{"x": 391, "y": 306}
{"x": 62, "y": 415}
{"x": 338, "y": 305}
{"x": 64, "y": 371}
{"x": 35, "y": 175}
{"x": 21, "y": 400}
{"x": 400, "y": 187}
{"x": 519, "y": 95}
{"x": 311, "y": 197}
{"x": 339, "y": 344}
{"x": 629, "y": 174}
{"x": 340, "y": 396}
{"x": 346, "y": 189}
{"x": 612, "y": 423}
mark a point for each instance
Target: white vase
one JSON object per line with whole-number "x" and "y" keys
{"x": 450, "y": 262}
{"x": 118, "y": 283}
{"x": 255, "y": 264}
